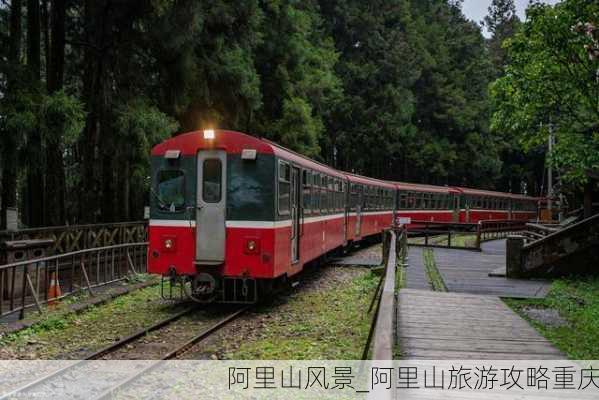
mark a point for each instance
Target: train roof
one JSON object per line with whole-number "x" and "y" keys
{"x": 417, "y": 187}
{"x": 232, "y": 142}
{"x": 297, "y": 158}
{"x": 480, "y": 192}
{"x": 364, "y": 180}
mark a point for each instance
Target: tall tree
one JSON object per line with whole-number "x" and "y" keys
{"x": 379, "y": 61}
{"x": 35, "y": 181}
{"x": 296, "y": 62}
{"x": 453, "y": 145}
{"x": 502, "y": 23}
{"x": 54, "y": 195}
{"x": 9, "y": 156}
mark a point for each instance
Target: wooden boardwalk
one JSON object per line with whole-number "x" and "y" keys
{"x": 438, "y": 325}
{"x": 468, "y": 272}
{"x": 470, "y": 321}
{"x": 415, "y": 272}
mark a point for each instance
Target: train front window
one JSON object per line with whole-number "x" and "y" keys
{"x": 171, "y": 190}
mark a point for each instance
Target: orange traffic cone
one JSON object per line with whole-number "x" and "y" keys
{"x": 54, "y": 291}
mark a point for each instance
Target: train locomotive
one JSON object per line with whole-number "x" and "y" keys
{"x": 232, "y": 215}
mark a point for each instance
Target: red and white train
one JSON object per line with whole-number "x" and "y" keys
{"x": 232, "y": 214}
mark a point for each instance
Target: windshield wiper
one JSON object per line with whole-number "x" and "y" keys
{"x": 161, "y": 202}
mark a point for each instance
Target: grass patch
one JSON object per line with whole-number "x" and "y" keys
{"x": 328, "y": 324}
{"x": 577, "y": 301}
{"x": 432, "y": 272}
{"x": 59, "y": 335}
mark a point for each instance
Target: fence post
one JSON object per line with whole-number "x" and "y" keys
{"x": 514, "y": 247}
{"x": 23, "y": 292}
{"x": 478, "y": 234}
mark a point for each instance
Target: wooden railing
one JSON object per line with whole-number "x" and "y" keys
{"x": 383, "y": 328}
{"x": 576, "y": 244}
{"x": 498, "y": 229}
{"x": 467, "y": 236}
{"x": 81, "y": 237}
{"x": 443, "y": 234}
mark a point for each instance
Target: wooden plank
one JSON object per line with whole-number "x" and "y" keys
{"x": 437, "y": 325}
{"x": 469, "y": 273}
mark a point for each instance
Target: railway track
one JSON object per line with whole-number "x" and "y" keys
{"x": 106, "y": 388}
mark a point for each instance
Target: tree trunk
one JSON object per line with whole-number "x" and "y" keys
{"x": 588, "y": 199}
{"x": 93, "y": 98}
{"x": 9, "y": 159}
{"x": 35, "y": 182}
{"x": 55, "y": 175}
{"x": 126, "y": 182}
{"x": 45, "y": 26}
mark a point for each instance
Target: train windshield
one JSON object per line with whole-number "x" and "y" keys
{"x": 171, "y": 190}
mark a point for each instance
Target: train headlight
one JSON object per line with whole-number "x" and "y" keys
{"x": 209, "y": 134}
{"x": 168, "y": 244}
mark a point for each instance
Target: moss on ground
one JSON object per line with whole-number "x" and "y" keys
{"x": 432, "y": 272}
{"x": 317, "y": 324}
{"x": 74, "y": 335}
{"x": 577, "y": 301}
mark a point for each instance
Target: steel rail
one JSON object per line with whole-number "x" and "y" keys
{"x": 107, "y": 350}
{"x": 96, "y": 355}
{"x": 142, "y": 332}
{"x": 174, "y": 353}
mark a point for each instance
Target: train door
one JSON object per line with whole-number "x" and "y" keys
{"x": 346, "y": 207}
{"x": 211, "y": 206}
{"x": 359, "y": 211}
{"x": 295, "y": 214}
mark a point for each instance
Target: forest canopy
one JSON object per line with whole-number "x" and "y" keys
{"x": 395, "y": 89}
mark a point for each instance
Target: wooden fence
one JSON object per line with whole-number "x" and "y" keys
{"x": 81, "y": 237}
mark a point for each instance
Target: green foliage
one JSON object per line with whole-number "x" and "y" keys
{"x": 296, "y": 63}
{"x": 61, "y": 118}
{"x": 396, "y": 89}
{"x": 551, "y": 82}
{"x": 502, "y": 22}
{"x": 297, "y": 127}
{"x": 140, "y": 126}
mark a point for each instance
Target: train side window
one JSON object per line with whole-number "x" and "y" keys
{"x": 315, "y": 193}
{"x": 339, "y": 195}
{"x": 323, "y": 194}
{"x": 307, "y": 189}
{"x": 284, "y": 186}
{"x": 403, "y": 200}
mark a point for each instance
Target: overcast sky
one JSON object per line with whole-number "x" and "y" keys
{"x": 477, "y": 9}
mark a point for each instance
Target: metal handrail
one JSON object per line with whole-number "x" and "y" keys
{"x": 28, "y": 283}
{"x": 72, "y": 254}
